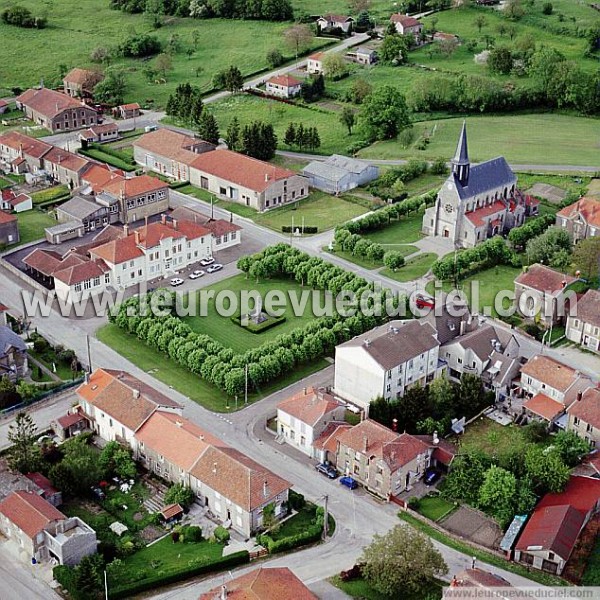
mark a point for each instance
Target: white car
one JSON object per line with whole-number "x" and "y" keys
{"x": 214, "y": 268}
{"x": 207, "y": 261}
{"x": 196, "y": 274}
{"x": 176, "y": 281}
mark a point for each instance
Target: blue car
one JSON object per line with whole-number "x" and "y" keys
{"x": 349, "y": 482}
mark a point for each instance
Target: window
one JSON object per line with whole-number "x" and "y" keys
{"x": 233, "y": 235}
{"x": 77, "y": 287}
{"x": 589, "y": 428}
{"x": 107, "y": 278}
{"x": 87, "y": 284}
{"x": 96, "y": 281}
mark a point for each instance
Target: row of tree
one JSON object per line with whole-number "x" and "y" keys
{"x": 358, "y": 246}
{"x": 519, "y": 236}
{"x": 296, "y": 135}
{"x": 186, "y": 104}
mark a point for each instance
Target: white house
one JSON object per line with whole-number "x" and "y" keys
{"x": 13, "y": 202}
{"x": 314, "y": 63}
{"x": 406, "y": 25}
{"x": 285, "y": 86}
{"x": 584, "y": 327}
{"x": 331, "y": 21}
{"x": 386, "y": 361}
{"x": 302, "y": 418}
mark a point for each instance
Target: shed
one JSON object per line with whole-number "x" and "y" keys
{"x": 172, "y": 512}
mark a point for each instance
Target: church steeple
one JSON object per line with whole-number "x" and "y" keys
{"x": 460, "y": 162}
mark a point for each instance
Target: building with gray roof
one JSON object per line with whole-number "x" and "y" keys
{"x": 339, "y": 174}
{"x": 13, "y": 354}
{"x": 90, "y": 214}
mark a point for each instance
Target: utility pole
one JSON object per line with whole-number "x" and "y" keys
{"x": 212, "y": 208}
{"x": 105, "y": 586}
{"x": 325, "y": 517}
{"x": 292, "y": 232}
{"x": 87, "y": 341}
{"x": 246, "y": 385}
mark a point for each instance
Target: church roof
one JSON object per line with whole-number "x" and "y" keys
{"x": 488, "y": 175}
{"x": 461, "y": 156}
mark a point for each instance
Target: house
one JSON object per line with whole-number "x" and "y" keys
{"x": 80, "y": 83}
{"x": 285, "y": 86}
{"x": 94, "y": 180}
{"x": 384, "y": 462}
{"x": 263, "y": 583}
{"x": 547, "y": 540}
{"x": 314, "y": 63}
{"x": 13, "y": 202}
{"x": 365, "y": 56}
{"x": 330, "y": 21}
{"x": 225, "y": 234}
{"x": 116, "y": 404}
{"x": 99, "y": 134}
{"x": 91, "y": 215}
{"x": 169, "y": 152}
{"x": 69, "y": 425}
{"x": 584, "y": 327}
{"x": 13, "y": 354}
{"x": 65, "y": 167}
{"x": 77, "y": 281}
{"x": 440, "y": 36}
{"x": 386, "y": 361}
{"x": 247, "y": 180}
{"x": 302, "y": 418}
{"x": 20, "y": 153}
{"x": 4, "y": 105}
{"x": 42, "y": 533}
{"x": 584, "y": 416}
{"x": 541, "y": 293}
{"x": 55, "y": 111}
{"x": 581, "y": 219}
{"x": 128, "y": 111}
{"x": 325, "y": 446}
{"x": 406, "y": 25}
{"x": 46, "y": 490}
{"x": 9, "y": 229}
{"x": 551, "y": 387}
{"x": 337, "y": 174}
{"x": 476, "y": 202}
{"x": 57, "y": 234}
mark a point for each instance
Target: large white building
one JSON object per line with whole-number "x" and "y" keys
{"x": 386, "y": 361}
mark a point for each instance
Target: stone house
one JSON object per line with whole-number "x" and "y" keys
{"x": 12, "y": 202}
{"x": 581, "y": 219}
{"x": 302, "y": 418}
{"x": 80, "y": 83}
{"x": 584, "y": 327}
{"x": 314, "y": 63}
{"x": 330, "y": 21}
{"x": 65, "y": 167}
{"x": 13, "y": 354}
{"x": 9, "y": 229}
{"x": 41, "y": 532}
{"x": 406, "y": 25}
{"x": 285, "y": 86}
{"x": 55, "y": 111}
{"x": 584, "y": 416}
{"x": 365, "y": 56}
{"x": 20, "y": 153}
{"x": 128, "y": 111}
{"x": 100, "y": 134}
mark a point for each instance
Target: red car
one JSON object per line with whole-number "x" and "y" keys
{"x": 424, "y": 302}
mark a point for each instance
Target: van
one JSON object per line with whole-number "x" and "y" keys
{"x": 149, "y": 128}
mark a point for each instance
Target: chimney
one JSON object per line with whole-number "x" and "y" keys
{"x": 163, "y": 219}
{"x": 223, "y": 592}
{"x": 214, "y": 469}
{"x": 87, "y": 377}
{"x": 394, "y": 424}
{"x": 266, "y": 177}
{"x": 126, "y": 230}
{"x": 136, "y": 393}
{"x": 136, "y": 233}
{"x": 436, "y": 439}
{"x": 365, "y": 443}
{"x": 367, "y": 343}
{"x": 174, "y": 221}
{"x": 265, "y": 489}
{"x": 304, "y": 391}
{"x": 579, "y": 395}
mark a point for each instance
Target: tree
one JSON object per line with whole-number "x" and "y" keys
{"x": 233, "y": 135}
{"x": 116, "y": 459}
{"x": 480, "y": 22}
{"x": 513, "y": 10}
{"x": 334, "y": 66}
{"x": 470, "y": 397}
{"x": 24, "y": 455}
{"x": 384, "y": 114}
{"x": 290, "y": 135}
{"x": 101, "y": 54}
{"x": 258, "y": 140}
{"x": 465, "y": 477}
{"x": 360, "y": 90}
{"x": 234, "y": 80}
{"x": 79, "y": 469}
{"x": 497, "y": 494}
{"x": 441, "y": 397}
{"x": 155, "y": 10}
{"x": 546, "y": 469}
{"x": 163, "y": 64}
{"x": 547, "y": 8}
{"x": 402, "y": 562}
{"x": 111, "y": 90}
{"x": 393, "y": 260}
{"x": 298, "y": 37}
{"x": 500, "y": 60}
{"x": 586, "y": 257}
{"x": 571, "y": 447}
{"x": 88, "y": 575}
{"x": 347, "y": 118}
{"x": 541, "y": 249}
{"x": 208, "y": 128}
{"x": 394, "y": 49}
{"x": 275, "y": 58}
{"x": 179, "y": 494}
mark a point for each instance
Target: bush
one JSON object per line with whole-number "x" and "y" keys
{"x": 311, "y": 534}
{"x": 221, "y": 534}
{"x": 41, "y": 345}
{"x": 275, "y": 58}
{"x": 296, "y": 500}
{"x": 414, "y": 503}
{"x": 22, "y": 17}
{"x": 547, "y": 8}
{"x": 192, "y": 534}
{"x": 139, "y": 45}
{"x": 179, "y": 494}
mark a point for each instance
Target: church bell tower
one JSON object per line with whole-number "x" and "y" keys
{"x": 460, "y": 162}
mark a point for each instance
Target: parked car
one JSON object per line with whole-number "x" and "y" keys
{"x": 424, "y": 302}
{"x": 349, "y": 482}
{"x": 176, "y": 281}
{"x": 431, "y": 476}
{"x": 207, "y": 261}
{"x": 214, "y": 268}
{"x": 327, "y": 470}
{"x": 196, "y": 274}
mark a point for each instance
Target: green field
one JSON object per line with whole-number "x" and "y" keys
{"x": 524, "y": 139}
{"x": 32, "y": 224}
{"x": 362, "y": 590}
{"x": 415, "y": 268}
{"x": 318, "y": 210}
{"x": 490, "y": 438}
{"x": 434, "y": 507}
{"x": 184, "y": 381}
{"x": 403, "y": 231}
{"x": 76, "y": 28}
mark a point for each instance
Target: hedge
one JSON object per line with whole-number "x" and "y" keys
{"x": 311, "y": 534}
{"x": 305, "y": 229}
{"x": 49, "y": 194}
{"x": 175, "y": 185}
{"x": 102, "y": 156}
{"x": 137, "y": 587}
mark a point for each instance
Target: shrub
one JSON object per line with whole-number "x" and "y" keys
{"x": 41, "y": 345}
{"x": 311, "y": 534}
{"x": 179, "y": 494}
{"x": 306, "y": 229}
{"x": 22, "y": 17}
{"x": 275, "y": 58}
{"x": 191, "y": 534}
{"x": 296, "y": 500}
{"x": 414, "y": 503}
{"x": 547, "y": 8}
{"x": 221, "y": 534}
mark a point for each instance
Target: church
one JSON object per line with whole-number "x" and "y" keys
{"x": 477, "y": 202}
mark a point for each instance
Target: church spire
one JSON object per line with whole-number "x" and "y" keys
{"x": 460, "y": 162}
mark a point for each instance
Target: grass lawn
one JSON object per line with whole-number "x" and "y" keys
{"x": 206, "y": 196}
{"x": 490, "y": 282}
{"x": 32, "y": 224}
{"x": 405, "y": 250}
{"x": 435, "y": 507}
{"x": 51, "y": 193}
{"x": 361, "y": 589}
{"x": 187, "y": 383}
{"x": 404, "y": 231}
{"x": 318, "y": 210}
{"x": 62, "y": 370}
{"x": 414, "y": 268}
{"x": 543, "y": 139}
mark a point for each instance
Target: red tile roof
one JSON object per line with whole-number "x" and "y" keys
{"x": 316, "y": 56}
{"x": 250, "y": 173}
{"x": 29, "y": 512}
{"x": 478, "y": 578}
{"x": 218, "y": 227}
{"x": 582, "y": 493}
{"x": 478, "y": 216}
{"x": 554, "y": 528}
{"x": 337, "y": 18}
{"x": 66, "y": 160}
{"x": 544, "y": 406}
{"x": 403, "y": 450}
{"x": 44, "y": 261}
{"x": 284, "y": 80}
{"x": 130, "y": 106}
{"x": 30, "y": 146}
{"x": 48, "y": 102}
{"x": 264, "y": 583}
{"x": 134, "y": 186}
{"x": 81, "y": 272}
{"x": 98, "y": 176}
{"x": 405, "y": 20}
{"x": 588, "y": 408}
{"x": 170, "y": 511}
{"x": 43, "y": 483}
{"x": 83, "y": 77}
{"x": 69, "y": 420}
{"x": 544, "y": 279}
{"x": 171, "y": 144}
{"x": 588, "y": 308}
{"x": 551, "y": 372}
{"x": 588, "y": 208}
{"x": 5, "y": 218}
{"x": 20, "y": 199}
{"x": 310, "y": 407}
{"x": 96, "y": 130}
{"x": 329, "y": 438}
